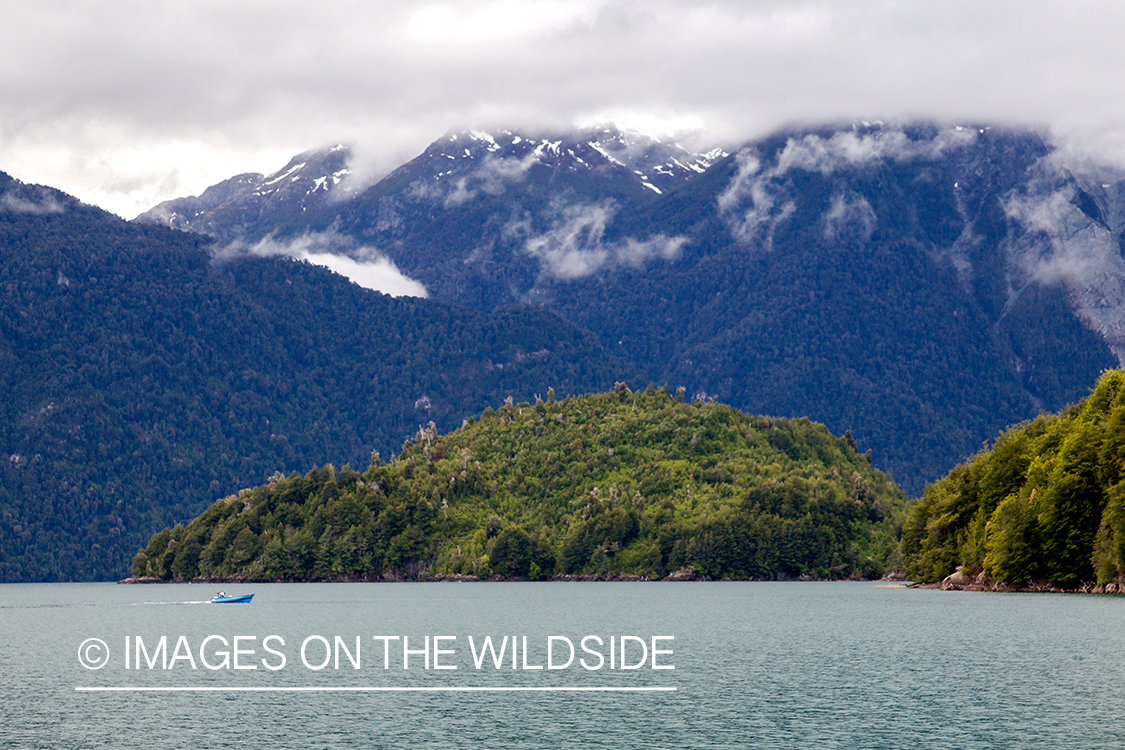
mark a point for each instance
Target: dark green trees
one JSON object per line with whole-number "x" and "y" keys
{"x": 631, "y": 483}
{"x": 1044, "y": 503}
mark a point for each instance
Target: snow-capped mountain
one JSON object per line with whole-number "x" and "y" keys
{"x": 628, "y": 154}
{"x": 452, "y": 170}
{"x": 232, "y": 207}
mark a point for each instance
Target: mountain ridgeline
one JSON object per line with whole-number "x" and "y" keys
{"x": 922, "y": 286}
{"x": 607, "y": 485}
{"x": 1044, "y": 506}
{"x": 143, "y": 377}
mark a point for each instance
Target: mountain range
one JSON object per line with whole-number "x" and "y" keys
{"x": 452, "y": 171}
{"x": 921, "y": 285}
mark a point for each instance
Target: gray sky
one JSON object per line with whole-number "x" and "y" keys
{"x": 126, "y": 103}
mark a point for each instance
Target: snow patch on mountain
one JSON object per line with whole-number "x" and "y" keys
{"x": 491, "y": 176}
{"x": 309, "y": 180}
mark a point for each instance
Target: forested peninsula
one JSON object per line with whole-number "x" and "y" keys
{"x": 617, "y": 485}
{"x": 1042, "y": 509}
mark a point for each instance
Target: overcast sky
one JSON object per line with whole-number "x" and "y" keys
{"x": 124, "y": 104}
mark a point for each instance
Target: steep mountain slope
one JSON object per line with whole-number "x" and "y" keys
{"x": 610, "y": 484}
{"x": 142, "y": 377}
{"x": 923, "y": 286}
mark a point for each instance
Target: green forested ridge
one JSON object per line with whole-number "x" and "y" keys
{"x": 1046, "y": 503}
{"x": 141, "y": 378}
{"x": 625, "y": 483}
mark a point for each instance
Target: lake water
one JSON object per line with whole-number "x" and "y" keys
{"x": 762, "y": 665}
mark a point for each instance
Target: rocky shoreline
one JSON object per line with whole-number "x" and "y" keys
{"x": 963, "y": 581}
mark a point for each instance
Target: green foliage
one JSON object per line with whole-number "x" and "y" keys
{"x": 142, "y": 378}
{"x": 624, "y": 482}
{"x": 1013, "y": 540}
{"x": 1046, "y": 502}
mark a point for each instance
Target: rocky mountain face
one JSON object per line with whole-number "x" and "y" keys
{"x": 923, "y": 286}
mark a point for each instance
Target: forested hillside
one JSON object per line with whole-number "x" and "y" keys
{"x": 1046, "y": 503}
{"x": 612, "y": 484}
{"x": 142, "y": 378}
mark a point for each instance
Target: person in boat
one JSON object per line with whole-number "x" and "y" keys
{"x": 222, "y": 595}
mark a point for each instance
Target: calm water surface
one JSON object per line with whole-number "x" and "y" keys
{"x": 757, "y": 665}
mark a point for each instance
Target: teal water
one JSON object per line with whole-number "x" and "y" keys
{"x": 757, "y": 665}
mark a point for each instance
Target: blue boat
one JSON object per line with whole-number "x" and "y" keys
{"x": 225, "y": 599}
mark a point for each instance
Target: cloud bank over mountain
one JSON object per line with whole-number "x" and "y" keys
{"x": 127, "y": 104}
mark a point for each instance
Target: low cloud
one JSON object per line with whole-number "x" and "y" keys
{"x": 849, "y": 218}
{"x": 743, "y": 183}
{"x": 756, "y": 200}
{"x": 848, "y": 149}
{"x": 575, "y": 247}
{"x": 380, "y": 274}
{"x": 748, "y": 203}
{"x": 1054, "y": 242}
{"x": 47, "y": 204}
{"x": 491, "y": 177}
{"x": 363, "y": 265}
{"x": 107, "y": 100}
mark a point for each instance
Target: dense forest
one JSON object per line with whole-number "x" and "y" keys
{"x": 142, "y": 377}
{"x": 1046, "y": 503}
{"x": 613, "y": 484}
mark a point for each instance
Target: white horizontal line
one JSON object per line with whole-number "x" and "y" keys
{"x": 461, "y": 689}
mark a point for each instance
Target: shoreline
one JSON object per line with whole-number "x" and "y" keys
{"x": 684, "y": 574}
{"x": 962, "y": 581}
